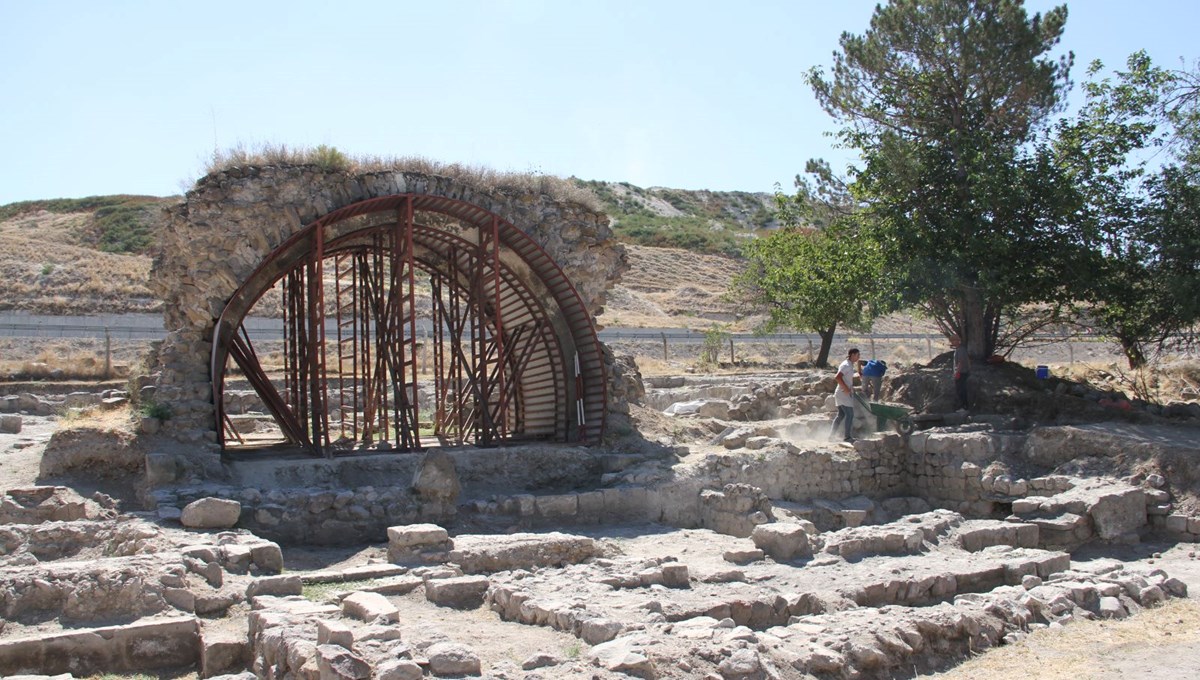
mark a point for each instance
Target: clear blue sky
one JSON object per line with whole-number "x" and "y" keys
{"x": 103, "y": 97}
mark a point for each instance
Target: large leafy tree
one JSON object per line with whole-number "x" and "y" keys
{"x": 823, "y": 269}
{"x": 1128, "y": 153}
{"x": 944, "y": 100}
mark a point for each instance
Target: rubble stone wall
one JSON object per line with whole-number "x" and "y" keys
{"x": 233, "y": 219}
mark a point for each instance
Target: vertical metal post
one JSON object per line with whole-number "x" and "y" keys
{"x": 410, "y": 263}
{"x": 107, "y": 354}
{"x": 500, "y": 387}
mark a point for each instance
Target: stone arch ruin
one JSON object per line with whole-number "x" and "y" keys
{"x": 407, "y": 309}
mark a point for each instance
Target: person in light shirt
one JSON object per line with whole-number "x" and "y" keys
{"x": 843, "y": 396}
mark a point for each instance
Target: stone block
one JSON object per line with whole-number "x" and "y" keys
{"x": 338, "y": 663}
{"x": 417, "y": 535}
{"x": 161, "y": 468}
{"x": 558, "y": 507}
{"x": 782, "y": 541}
{"x": 675, "y": 575}
{"x": 1118, "y": 512}
{"x": 464, "y": 592}
{"x": 399, "y": 669}
{"x": 1177, "y": 524}
{"x": 275, "y": 585}
{"x": 211, "y": 513}
{"x": 449, "y": 659}
{"x": 596, "y": 631}
{"x": 411, "y": 541}
{"x": 591, "y": 506}
{"x": 333, "y": 632}
{"x": 223, "y": 651}
{"x": 436, "y": 478}
{"x": 10, "y": 424}
{"x": 743, "y": 556}
{"x": 267, "y": 557}
{"x": 370, "y": 607}
{"x": 623, "y": 655}
{"x": 1111, "y": 608}
{"x": 479, "y": 554}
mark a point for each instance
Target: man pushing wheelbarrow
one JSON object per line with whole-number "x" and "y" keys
{"x": 845, "y": 398}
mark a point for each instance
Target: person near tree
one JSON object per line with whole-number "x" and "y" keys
{"x": 843, "y": 396}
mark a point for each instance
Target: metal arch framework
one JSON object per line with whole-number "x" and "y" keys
{"x": 514, "y": 353}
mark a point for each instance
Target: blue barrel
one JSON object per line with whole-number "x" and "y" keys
{"x": 1043, "y": 372}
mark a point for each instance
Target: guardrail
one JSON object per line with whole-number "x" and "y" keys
{"x": 119, "y": 332}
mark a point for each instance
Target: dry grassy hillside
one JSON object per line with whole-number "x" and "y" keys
{"x": 47, "y": 267}
{"x": 670, "y": 287}
{"x": 43, "y": 271}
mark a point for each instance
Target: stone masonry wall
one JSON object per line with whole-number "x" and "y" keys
{"x": 233, "y": 219}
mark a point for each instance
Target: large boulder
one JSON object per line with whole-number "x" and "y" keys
{"x": 436, "y": 479}
{"x": 211, "y": 513}
{"x": 783, "y": 541}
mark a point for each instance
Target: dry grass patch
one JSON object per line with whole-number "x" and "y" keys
{"x": 55, "y": 278}
{"x": 1169, "y": 634}
{"x": 1161, "y": 382}
{"x": 59, "y": 361}
{"x": 331, "y": 159}
{"x": 100, "y": 419}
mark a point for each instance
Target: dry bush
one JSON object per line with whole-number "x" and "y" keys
{"x": 330, "y": 159}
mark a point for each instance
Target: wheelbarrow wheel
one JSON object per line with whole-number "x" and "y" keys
{"x": 904, "y": 427}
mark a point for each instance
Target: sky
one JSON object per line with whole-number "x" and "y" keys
{"x": 111, "y": 96}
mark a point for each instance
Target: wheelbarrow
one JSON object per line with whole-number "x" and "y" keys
{"x": 901, "y": 417}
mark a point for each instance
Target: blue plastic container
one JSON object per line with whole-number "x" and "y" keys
{"x": 1043, "y": 372}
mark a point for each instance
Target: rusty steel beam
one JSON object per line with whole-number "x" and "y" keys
{"x": 490, "y": 330}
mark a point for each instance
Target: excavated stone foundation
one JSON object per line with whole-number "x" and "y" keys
{"x": 734, "y": 549}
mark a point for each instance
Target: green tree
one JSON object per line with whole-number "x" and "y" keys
{"x": 1140, "y": 225}
{"x": 823, "y": 269}
{"x": 944, "y": 100}
{"x": 811, "y": 280}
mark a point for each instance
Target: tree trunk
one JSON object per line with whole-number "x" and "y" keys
{"x": 974, "y": 324}
{"x": 1133, "y": 352}
{"x": 826, "y": 345}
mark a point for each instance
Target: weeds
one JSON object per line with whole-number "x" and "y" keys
{"x": 150, "y": 408}
{"x": 714, "y": 340}
{"x": 324, "y": 592}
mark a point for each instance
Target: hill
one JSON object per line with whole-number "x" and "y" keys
{"x": 711, "y": 222}
{"x": 93, "y": 255}
{"x": 79, "y": 256}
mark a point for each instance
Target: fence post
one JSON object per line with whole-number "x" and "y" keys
{"x": 810, "y": 351}
{"x": 929, "y": 347}
{"x": 107, "y": 354}
{"x": 732, "y": 360}
{"x": 664, "y": 339}
{"x": 1071, "y": 352}
{"x": 873, "y": 348}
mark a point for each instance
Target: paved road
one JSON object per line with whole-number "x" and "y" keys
{"x": 150, "y": 327}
